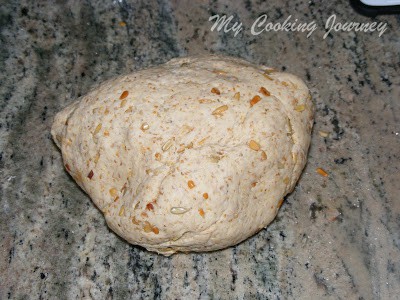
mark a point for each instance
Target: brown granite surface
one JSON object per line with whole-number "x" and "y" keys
{"x": 335, "y": 238}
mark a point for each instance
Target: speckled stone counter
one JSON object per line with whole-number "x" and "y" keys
{"x": 335, "y": 237}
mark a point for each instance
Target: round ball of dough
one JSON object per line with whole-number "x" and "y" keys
{"x": 193, "y": 155}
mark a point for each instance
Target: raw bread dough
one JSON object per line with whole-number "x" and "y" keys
{"x": 193, "y": 155}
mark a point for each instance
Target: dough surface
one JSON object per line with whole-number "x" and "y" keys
{"x": 193, "y": 155}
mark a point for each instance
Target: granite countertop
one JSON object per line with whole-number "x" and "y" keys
{"x": 335, "y": 237}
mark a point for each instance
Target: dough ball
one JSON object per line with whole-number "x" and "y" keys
{"x": 193, "y": 155}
